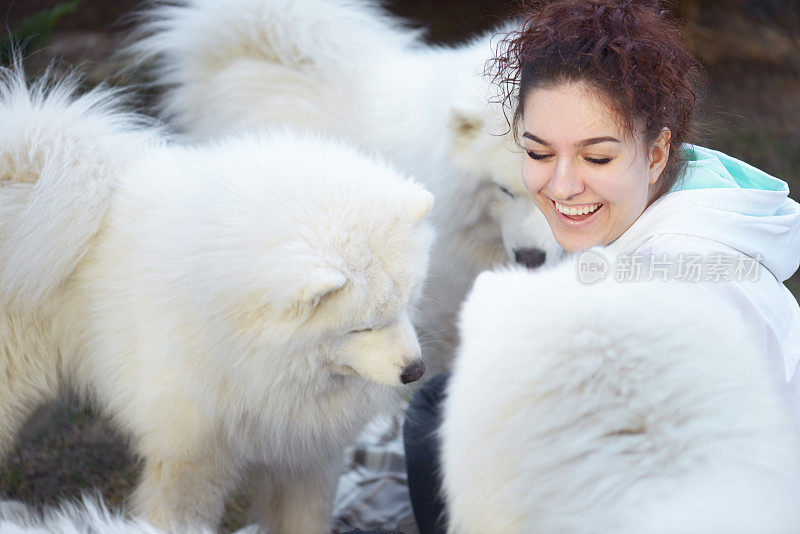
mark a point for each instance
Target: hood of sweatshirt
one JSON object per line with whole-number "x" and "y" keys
{"x": 726, "y": 200}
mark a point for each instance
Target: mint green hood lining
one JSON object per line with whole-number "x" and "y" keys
{"x": 723, "y": 199}
{"x": 710, "y": 169}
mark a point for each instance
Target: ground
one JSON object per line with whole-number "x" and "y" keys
{"x": 751, "y": 50}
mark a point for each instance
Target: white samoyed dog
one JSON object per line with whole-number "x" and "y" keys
{"x": 239, "y": 308}
{"x": 619, "y": 407}
{"x": 346, "y": 67}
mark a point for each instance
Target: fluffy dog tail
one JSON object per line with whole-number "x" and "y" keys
{"x": 217, "y": 59}
{"x": 59, "y": 157}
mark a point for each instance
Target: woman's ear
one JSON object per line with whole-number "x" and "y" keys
{"x": 659, "y": 154}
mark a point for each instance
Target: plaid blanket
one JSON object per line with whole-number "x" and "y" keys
{"x": 373, "y": 491}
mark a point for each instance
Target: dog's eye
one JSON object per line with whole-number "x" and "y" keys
{"x": 506, "y": 191}
{"x": 362, "y": 331}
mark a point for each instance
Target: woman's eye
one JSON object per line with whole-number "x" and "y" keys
{"x": 534, "y": 155}
{"x": 598, "y": 161}
{"x": 506, "y": 191}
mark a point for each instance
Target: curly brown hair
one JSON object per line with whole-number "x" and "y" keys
{"x": 629, "y": 51}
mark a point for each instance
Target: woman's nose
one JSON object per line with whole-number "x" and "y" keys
{"x": 565, "y": 182}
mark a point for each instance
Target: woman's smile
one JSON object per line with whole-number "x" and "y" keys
{"x": 578, "y": 211}
{"x": 576, "y": 217}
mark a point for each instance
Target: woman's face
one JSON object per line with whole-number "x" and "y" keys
{"x": 590, "y": 177}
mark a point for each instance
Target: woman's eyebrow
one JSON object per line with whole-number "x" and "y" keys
{"x": 596, "y": 140}
{"x": 535, "y": 139}
{"x": 579, "y": 144}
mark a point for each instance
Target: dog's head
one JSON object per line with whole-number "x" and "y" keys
{"x": 484, "y": 148}
{"x": 322, "y": 253}
{"x": 490, "y": 162}
{"x": 354, "y": 292}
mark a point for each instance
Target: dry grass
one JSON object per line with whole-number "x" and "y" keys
{"x": 66, "y": 450}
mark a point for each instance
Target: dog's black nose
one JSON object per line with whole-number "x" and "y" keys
{"x": 412, "y": 372}
{"x": 530, "y": 257}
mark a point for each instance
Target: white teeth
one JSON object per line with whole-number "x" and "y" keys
{"x": 582, "y": 210}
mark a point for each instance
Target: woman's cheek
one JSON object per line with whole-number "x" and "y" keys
{"x": 533, "y": 181}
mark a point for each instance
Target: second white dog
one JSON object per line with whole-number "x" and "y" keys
{"x": 347, "y": 68}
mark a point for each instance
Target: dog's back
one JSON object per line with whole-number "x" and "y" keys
{"x": 252, "y": 62}
{"x": 577, "y": 408}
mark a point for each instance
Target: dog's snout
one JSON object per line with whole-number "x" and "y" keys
{"x": 412, "y": 372}
{"x": 530, "y": 257}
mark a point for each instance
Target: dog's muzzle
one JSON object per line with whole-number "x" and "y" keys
{"x": 412, "y": 372}
{"x": 530, "y": 257}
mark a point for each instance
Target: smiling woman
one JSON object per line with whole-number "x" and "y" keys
{"x": 603, "y": 96}
{"x": 605, "y": 93}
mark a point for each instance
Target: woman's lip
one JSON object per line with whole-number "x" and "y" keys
{"x": 565, "y": 220}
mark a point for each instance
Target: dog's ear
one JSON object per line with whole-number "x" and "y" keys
{"x": 320, "y": 283}
{"x": 419, "y": 205}
{"x": 464, "y": 125}
{"x": 304, "y": 279}
{"x": 307, "y": 288}
{"x": 468, "y": 139}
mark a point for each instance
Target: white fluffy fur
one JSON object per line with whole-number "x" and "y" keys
{"x": 57, "y": 152}
{"x": 238, "y": 307}
{"x": 345, "y": 67}
{"x": 617, "y": 407}
{"x": 90, "y": 515}
{"x": 87, "y": 517}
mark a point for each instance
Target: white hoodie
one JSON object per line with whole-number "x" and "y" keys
{"x": 738, "y": 225}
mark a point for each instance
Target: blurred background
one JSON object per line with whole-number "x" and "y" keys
{"x": 750, "y": 48}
